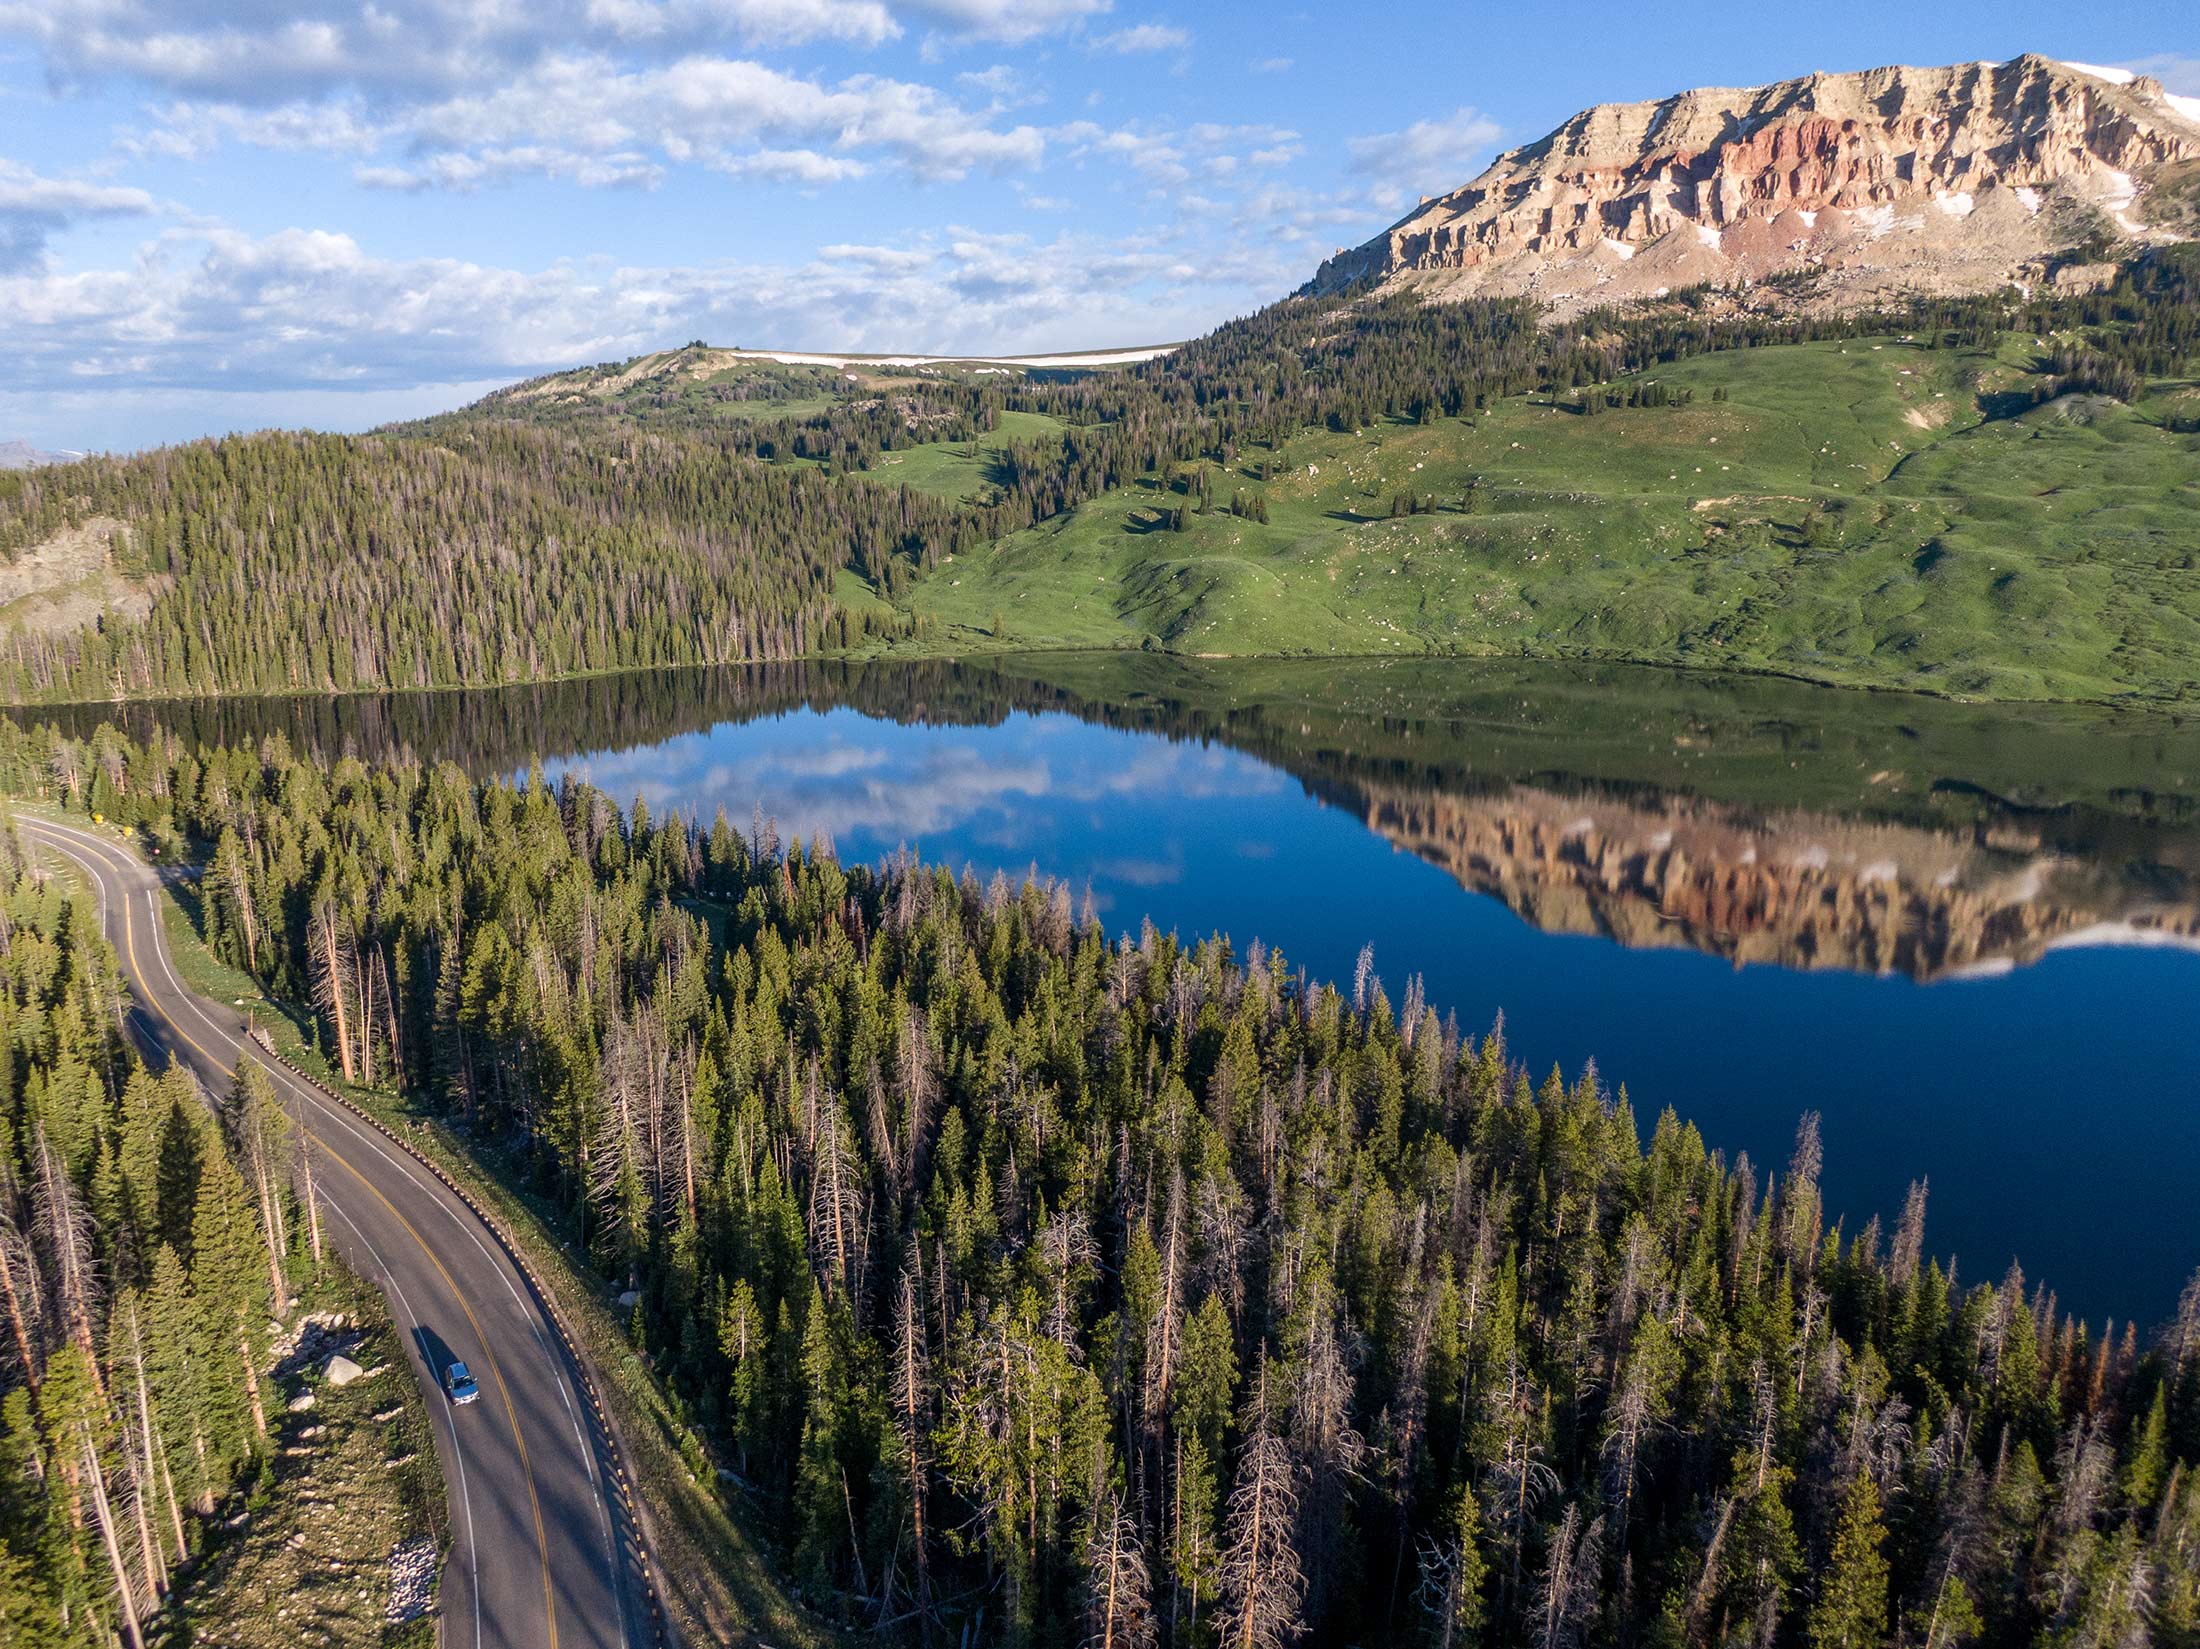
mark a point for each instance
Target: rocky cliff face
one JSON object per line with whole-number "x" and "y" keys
{"x": 1945, "y": 180}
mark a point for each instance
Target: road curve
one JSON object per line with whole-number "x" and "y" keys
{"x": 542, "y": 1554}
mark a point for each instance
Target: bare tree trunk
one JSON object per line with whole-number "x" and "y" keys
{"x": 240, "y": 894}
{"x": 175, "y": 1508}
{"x": 11, "y": 1243}
{"x": 69, "y": 1239}
{"x": 153, "y": 1468}
{"x": 911, "y": 1395}
{"x": 313, "y": 1201}
{"x": 149, "y": 1558}
{"x": 271, "y": 1218}
{"x": 687, "y": 1143}
{"x": 251, "y": 1374}
{"x": 332, "y": 981}
{"x": 103, "y": 1515}
{"x": 366, "y": 1022}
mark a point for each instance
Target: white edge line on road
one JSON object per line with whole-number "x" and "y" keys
{"x": 434, "y": 1191}
{"x": 450, "y": 1425}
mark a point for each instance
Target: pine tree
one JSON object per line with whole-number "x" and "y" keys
{"x": 1851, "y": 1611}
{"x": 1453, "y": 1573}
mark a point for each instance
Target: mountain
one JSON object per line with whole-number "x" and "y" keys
{"x": 1854, "y": 186}
{"x": 21, "y": 455}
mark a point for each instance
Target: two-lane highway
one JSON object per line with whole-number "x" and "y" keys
{"x": 542, "y": 1555}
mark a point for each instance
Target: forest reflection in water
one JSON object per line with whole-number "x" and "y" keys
{"x": 1724, "y": 890}
{"x": 1760, "y": 821}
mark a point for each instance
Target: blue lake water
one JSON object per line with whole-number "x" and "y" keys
{"x": 1967, "y": 936}
{"x": 2053, "y": 1106}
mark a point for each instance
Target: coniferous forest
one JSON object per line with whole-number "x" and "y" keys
{"x": 144, "y": 1239}
{"x": 1042, "y": 1286}
{"x": 529, "y": 538}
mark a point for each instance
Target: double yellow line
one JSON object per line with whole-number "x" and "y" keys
{"x": 41, "y": 831}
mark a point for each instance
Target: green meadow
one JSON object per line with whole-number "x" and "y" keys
{"x": 1872, "y": 512}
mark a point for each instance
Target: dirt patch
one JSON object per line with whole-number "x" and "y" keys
{"x": 1747, "y": 498}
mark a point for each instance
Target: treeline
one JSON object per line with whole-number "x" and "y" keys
{"x": 314, "y": 563}
{"x": 143, "y": 1237}
{"x": 1052, "y": 1289}
{"x": 530, "y": 538}
{"x": 1235, "y": 395}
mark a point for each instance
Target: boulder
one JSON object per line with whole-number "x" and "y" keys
{"x": 340, "y": 1370}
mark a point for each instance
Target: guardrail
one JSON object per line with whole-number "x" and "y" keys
{"x": 622, "y": 1484}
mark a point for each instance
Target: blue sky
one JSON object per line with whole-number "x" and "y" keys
{"x": 221, "y": 214}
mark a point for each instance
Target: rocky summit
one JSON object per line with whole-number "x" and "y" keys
{"x": 1848, "y": 187}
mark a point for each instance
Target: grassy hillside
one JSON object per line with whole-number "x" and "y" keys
{"x": 1863, "y": 511}
{"x": 962, "y": 471}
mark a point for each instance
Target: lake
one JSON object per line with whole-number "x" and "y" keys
{"x": 1969, "y": 937}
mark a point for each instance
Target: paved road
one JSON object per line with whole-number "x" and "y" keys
{"x": 541, "y": 1556}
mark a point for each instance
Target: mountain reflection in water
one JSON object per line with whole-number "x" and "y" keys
{"x": 1743, "y": 899}
{"x": 1793, "y": 887}
{"x": 1762, "y": 822}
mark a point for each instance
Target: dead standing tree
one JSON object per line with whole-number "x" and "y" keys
{"x": 1263, "y": 1585}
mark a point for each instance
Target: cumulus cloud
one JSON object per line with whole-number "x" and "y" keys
{"x": 591, "y": 121}
{"x": 311, "y": 309}
{"x": 396, "y": 50}
{"x": 1144, "y": 37}
{"x": 34, "y": 207}
{"x": 1168, "y": 158}
{"x": 1009, "y": 21}
{"x": 1427, "y": 157}
{"x": 257, "y": 53}
{"x": 803, "y": 167}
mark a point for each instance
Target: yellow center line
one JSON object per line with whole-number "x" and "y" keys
{"x": 496, "y": 1369}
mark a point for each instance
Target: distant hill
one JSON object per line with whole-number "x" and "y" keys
{"x": 1847, "y": 188}
{"x": 21, "y": 455}
{"x": 701, "y": 385}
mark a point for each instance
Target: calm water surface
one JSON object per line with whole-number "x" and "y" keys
{"x": 1965, "y": 937}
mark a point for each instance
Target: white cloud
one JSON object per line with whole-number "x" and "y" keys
{"x": 1271, "y": 65}
{"x": 261, "y": 54}
{"x": 591, "y": 121}
{"x": 1003, "y": 85}
{"x": 225, "y": 313}
{"x": 34, "y": 207}
{"x": 2176, "y": 71}
{"x": 1428, "y": 157}
{"x": 1144, "y": 37}
{"x": 463, "y": 173}
{"x": 805, "y": 167}
{"x": 1010, "y": 21}
{"x": 1168, "y": 158}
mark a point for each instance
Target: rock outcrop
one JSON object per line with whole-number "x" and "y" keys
{"x": 1865, "y": 185}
